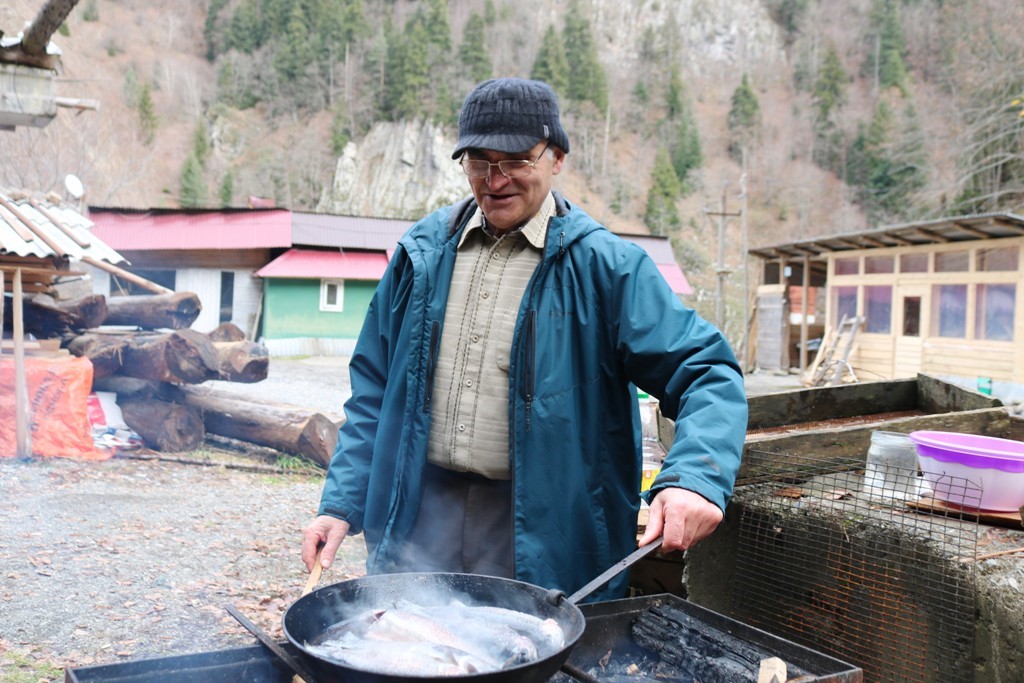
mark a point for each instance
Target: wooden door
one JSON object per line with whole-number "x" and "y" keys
{"x": 912, "y": 307}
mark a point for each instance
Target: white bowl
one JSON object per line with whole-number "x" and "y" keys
{"x": 973, "y": 471}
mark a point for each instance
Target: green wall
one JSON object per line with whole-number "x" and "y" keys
{"x": 291, "y": 308}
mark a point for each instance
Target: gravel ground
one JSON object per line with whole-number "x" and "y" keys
{"x": 132, "y": 558}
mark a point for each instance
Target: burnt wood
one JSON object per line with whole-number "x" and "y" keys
{"x": 242, "y": 361}
{"x": 47, "y": 318}
{"x": 226, "y": 332}
{"x": 309, "y": 435}
{"x": 182, "y": 357}
{"x": 104, "y": 350}
{"x": 164, "y": 426}
{"x": 174, "y": 311}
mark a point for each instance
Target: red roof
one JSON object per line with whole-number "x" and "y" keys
{"x": 129, "y": 231}
{"x": 675, "y": 277}
{"x": 337, "y": 265}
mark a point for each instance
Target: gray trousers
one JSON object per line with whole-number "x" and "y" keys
{"x": 464, "y": 525}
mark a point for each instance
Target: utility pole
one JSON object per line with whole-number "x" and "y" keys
{"x": 720, "y": 267}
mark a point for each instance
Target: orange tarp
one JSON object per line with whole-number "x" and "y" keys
{"x": 58, "y": 392}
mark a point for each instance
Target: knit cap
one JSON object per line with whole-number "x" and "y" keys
{"x": 510, "y": 115}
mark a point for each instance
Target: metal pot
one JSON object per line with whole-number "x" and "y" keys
{"x": 311, "y": 615}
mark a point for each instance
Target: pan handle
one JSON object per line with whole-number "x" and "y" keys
{"x": 616, "y": 569}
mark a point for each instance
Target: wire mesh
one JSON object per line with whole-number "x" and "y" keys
{"x": 859, "y": 567}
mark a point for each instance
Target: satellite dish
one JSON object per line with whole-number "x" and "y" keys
{"x": 74, "y": 186}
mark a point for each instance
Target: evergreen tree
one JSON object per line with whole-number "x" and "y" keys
{"x": 686, "y": 153}
{"x": 340, "y": 133}
{"x": 889, "y": 163}
{"x": 201, "y": 143}
{"x": 438, "y": 27}
{"x": 211, "y": 32}
{"x": 674, "y": 92}
{"x": 789, "y": 14}
{"x": 744, "y": 119}
{"x": 227, "y": 190}
{"x": 193, "y": 185}
{"x": 408, "y": 72}
{"x": 829, "y": 90}
{"x": 661, "y": 215}
{"x": 148, "y": 120}
{"x": 887, "y": 49}
{"x": 294, "y": 56}
{"x": 473, "y": 54}
{"x": 588, "y": 82}
{"x": 550, "y": 65}
{"x": 828, "y": 94}
{"x": 246, "y": 29}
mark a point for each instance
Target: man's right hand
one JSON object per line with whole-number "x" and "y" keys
{"x": 326, "y": 531}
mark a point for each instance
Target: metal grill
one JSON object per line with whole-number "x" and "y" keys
{"x": 863, "y": 574}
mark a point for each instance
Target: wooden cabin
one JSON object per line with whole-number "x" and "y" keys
{"x": 940, "y": 297}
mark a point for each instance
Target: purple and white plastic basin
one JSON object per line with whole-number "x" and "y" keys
{"x": 971, "y": 470}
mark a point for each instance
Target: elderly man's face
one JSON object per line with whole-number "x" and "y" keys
{"x": 508, "y": 203}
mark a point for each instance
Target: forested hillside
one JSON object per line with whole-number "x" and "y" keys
{"x": 808, "y": 116}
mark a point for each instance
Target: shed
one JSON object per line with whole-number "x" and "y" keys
{"x": 939, "y": 297}
{"x": 43, "y": 245}
{"x": 213, "y": 253}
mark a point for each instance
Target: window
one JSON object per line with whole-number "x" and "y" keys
{"x": 879, "y": 264}
{"x": 227, "y": 295}
{"x": 847, "y": 266}
{"x": 911, "y": 316}
{"x": 952, "y": 261}
{"x": 332, "y": 295}
{"x": 993, "y": 317}
{"x": 949, "y": 314}
{"x": 878, "y": 309}
{"x": 845, "y": 303}
{"x": 913, "y": 263}
{"x": 999, "y": 258}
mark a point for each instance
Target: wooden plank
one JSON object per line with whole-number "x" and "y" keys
{"x": 821, "y": 450}
{"x": 790, "y": 407}
{"x": 1011, "y": 520}
{"x": 23, "y": 435}
{"x": 937, "y": 396}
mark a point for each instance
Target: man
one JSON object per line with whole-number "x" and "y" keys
{"x": 493, "y": 425}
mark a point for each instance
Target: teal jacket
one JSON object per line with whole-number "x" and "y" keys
{"x": 597, "y": 321}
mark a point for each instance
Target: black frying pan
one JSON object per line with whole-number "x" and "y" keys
{"x": 312, "y": 614}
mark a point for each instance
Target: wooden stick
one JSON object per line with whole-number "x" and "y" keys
{"x": 122, "y": 273}
{"x": 23, "y": 435}
{"x": 33, "y": 228}
{"x": 60, "y": 226}
{"x": 989, "y": 556}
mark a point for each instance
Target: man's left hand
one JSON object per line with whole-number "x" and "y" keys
{"x": 682, "y": 516}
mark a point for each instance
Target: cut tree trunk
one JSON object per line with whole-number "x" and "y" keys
{"x": 175, "y": 311}
{"x": 182, "y": 357}
{"x": 284, "y": 428}
{"x": 104, "y": 350}
{"x": 164, "y": 426}
{"x": 242, "y": 361}
{"x": 47, "y": 318}
{"x": 226, "y": 332}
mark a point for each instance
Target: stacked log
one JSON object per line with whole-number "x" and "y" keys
{"x": 143, "y": 349}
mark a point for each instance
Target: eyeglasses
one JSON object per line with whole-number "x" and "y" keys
{"x": 510, "y": 168}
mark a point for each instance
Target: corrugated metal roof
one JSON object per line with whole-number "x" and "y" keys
{"x": 338, "y": 265}
{"x": 39, "y": 227}
{"x": 180, "y": 230}
{"x": 940, "y": 231}
{"x": 660, "y": 251}
{"x": 347, "y": 232}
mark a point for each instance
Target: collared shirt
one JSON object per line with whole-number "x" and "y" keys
{"x": 469, "y": 425}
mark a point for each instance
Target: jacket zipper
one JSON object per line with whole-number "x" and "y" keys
{"x": 435, "y": 334}
{"x": 528, "y": 361}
